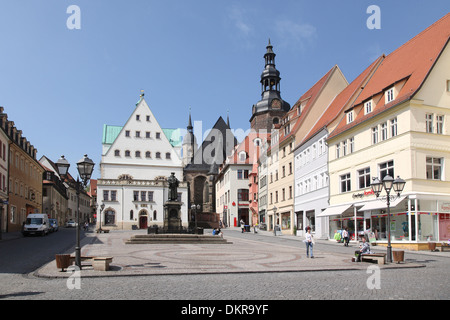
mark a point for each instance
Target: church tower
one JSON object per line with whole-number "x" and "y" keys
{"x": 189, "y": 143}
{"x": 271, "y": 108}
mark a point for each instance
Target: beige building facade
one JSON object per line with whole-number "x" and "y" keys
{"x": 399, "y": 126}
{"x": 292, "y": 129}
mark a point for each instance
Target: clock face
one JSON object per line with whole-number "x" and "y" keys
{"x": 276, "y": 104}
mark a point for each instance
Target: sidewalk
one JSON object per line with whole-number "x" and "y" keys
{"x": 243, "y": 255}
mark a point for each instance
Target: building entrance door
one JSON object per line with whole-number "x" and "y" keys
{"x": 143, "y": 222}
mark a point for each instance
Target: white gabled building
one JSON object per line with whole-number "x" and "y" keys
{"x": 136, "y": 161}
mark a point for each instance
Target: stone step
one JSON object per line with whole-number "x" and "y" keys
{"x": 176, "y": 238}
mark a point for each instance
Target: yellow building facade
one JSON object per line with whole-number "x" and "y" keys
{"x": 400, "y": 125}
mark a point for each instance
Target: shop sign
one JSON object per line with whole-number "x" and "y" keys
{"x": 363, "y": 194}
{"x": 444, "y": 206}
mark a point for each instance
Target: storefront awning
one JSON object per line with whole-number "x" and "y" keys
{"x": 381, "y": 204}
{"x": 334, "y": 211}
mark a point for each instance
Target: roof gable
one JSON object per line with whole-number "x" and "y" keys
{"x": 137, "y": 125}
{"x": 343, "y": 100}
{"x": 409, "y": 65}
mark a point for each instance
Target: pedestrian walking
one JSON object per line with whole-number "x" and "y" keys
{"x": 309, "y": 240}
{"x": 345, "y": 235}
{"x": 242, "y": 225}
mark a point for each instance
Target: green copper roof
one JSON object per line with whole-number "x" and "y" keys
{"x": 174, "y": 137}
{"x": 110, "y": 134}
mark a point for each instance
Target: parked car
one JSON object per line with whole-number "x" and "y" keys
{"x": 71, "y": 224}
{"x": 36, "y": 223}
{"x": 53, "y": 224}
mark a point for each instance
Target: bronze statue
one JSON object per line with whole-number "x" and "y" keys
{"x": 173, "y": 185}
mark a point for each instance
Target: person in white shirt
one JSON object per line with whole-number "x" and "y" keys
{"x": 345, "y": 235}
{"x": 309, "y": 243}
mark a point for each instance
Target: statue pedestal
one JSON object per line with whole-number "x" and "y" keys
{"x": 172, "y": 217}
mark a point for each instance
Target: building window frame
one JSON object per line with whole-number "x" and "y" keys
{"x": 434, "y": 166}
{"x": 345, "y": 181}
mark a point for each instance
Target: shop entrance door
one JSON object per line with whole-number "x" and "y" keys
{"x": 444, "y": 226}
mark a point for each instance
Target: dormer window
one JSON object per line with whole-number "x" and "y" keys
{"x": 368, "y": 107}
{"x": 350, "y": 116}
{"x": 390, "y": 95}
{"x": 242, "y": 156}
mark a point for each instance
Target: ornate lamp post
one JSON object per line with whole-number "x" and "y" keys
{"x": 85, "y": 166}
{"x": 388, "y": 184}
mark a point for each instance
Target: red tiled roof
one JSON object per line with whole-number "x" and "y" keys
{"x": 342, "y": 100}
{"x": 249, "y": 147}
{"x": 412, "y": 62}
{"x": 311, "y": 96}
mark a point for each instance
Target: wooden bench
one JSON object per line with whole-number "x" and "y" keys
{"x": 101, "y": 263}
{"x": 82, "y": 258}
{"x": 102, "y": 230}
{"x": 445, "y": 247}
{"x": 379, "y": 257}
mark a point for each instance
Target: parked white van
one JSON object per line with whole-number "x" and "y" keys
{"x": 37, "y": 223}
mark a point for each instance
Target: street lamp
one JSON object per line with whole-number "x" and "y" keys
{"x": 195, "y": 208}
{"x": 275, "y": 220}
{"x": 388, "y": 184}
{"x": 85, "y": 166}
{"x": 102, "y": 207}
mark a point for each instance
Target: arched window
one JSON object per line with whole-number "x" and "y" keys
{"x": 148, "y": 154}
{"x": 110, "y": 217}
{"x": 117, "y": 153}
{"x": 127, "y": 153}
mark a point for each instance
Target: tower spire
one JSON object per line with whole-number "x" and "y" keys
{"x": 190, "y": 127}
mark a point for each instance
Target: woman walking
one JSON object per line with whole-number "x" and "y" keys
{"x": 309, "y": 243}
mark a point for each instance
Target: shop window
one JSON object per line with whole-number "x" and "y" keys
{"x": 110, "y": 217}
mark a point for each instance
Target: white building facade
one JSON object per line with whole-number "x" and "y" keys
{"x": 311, "y": 185}
{"x": 136, "y": 161}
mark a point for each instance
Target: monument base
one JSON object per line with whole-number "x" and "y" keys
{"x": 172, "y": 217}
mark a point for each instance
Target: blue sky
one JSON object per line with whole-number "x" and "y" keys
{"x": 60, "y": 86}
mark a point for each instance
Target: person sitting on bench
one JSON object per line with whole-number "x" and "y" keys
{"x": 365, "y": 248}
